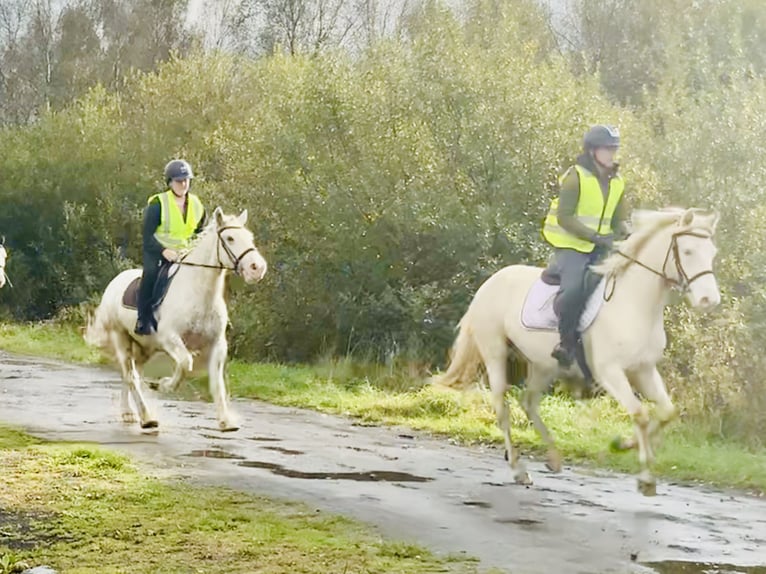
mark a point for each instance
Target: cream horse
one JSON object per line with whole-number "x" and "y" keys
{"x": 3, "y": 260}
{"x": 192, "y": 317}
{"x": 668, "y": 249}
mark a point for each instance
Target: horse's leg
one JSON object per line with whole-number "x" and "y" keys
{"x": 613, "y": 379}
{"x": 537, "y": 383}
{"x": 496, "y": 372}
{"x": 131, "y": 381}
{"x": 648, "y": 381}
{"x": 148, "y": 420}
{"x": 169, "y": 384}
{"x": 127, "y": 413}
{"x": 184, "y": 361}
{"x": 216, "y": 362}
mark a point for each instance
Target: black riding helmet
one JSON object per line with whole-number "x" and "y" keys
{"x": 178, "y": 169}
{"x": 601, "y": 136}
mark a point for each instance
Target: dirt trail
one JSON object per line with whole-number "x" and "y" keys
{"x": 449, "y": 498}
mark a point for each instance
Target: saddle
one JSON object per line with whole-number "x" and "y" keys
{"x": 164, "y": 277}
{"x": 540, "y": 309}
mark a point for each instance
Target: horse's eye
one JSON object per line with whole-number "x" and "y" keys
{"x": 230, "y": 239}
{"x": 687, "y": 251}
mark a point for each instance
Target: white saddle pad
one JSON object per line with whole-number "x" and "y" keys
{"x": 537, "y": 312}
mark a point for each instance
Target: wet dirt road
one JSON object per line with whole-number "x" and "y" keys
{"x": 412, "y": 487}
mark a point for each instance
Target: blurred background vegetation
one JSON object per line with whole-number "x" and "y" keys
{"x": 392, "y": 155}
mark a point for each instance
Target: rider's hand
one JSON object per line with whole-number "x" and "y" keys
{"x": 170, "y": 255}
{"x": 604, "y": 241}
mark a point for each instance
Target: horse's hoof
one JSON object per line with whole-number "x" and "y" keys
{"x": 554, "y": 461}
{"x": 523, "y": 479}
{"x": 153, "y": 385}
{"x": 647, "y": 485}
{"x": 150, "y": 424}
{"x": 228, "y": 426}
{"x": 618, "y": 445}
{"x": 166, "y": 385}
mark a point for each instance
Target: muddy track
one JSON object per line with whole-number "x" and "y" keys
{"x": 412, "y": 487}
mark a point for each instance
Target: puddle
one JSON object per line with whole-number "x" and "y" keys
{"x": 677, "y": 567}
{"x": 479, "y": 503}
{"x": 213, "y": 453}
{"x": 264, "y": 438}
{"x": 518, "y": 521}
{"x": 283, "y": 450}
{"x": 370, "y": 476}
{"x": 358, "y": 448}
{"x": 20, "y": 362}
{"x": 215, "y": 436}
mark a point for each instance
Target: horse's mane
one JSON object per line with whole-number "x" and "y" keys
{"x": 211, "y": 228}
{"x": 645, "y": 224}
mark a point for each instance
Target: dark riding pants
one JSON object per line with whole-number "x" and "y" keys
{"x": 576, "y": 287}
{"x": 146, "y": 289}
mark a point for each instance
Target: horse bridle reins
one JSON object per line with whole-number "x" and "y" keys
{"x": 684, "y": 284}
{"x": 233, "y": 259}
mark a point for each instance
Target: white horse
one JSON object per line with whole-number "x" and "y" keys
{"x": 3, "y": 259}
{"x": 668, "y": 249}
{"x": 191, "y": 318}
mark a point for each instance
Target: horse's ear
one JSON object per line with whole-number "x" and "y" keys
{"x": 687, "y": 218}
{"x": 218, "y": 216}
{"x": 2, "y": 239}
{"x": 243, "y": 217}
{"x": 715, "y": 216}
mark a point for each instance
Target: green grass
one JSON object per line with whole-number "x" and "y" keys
{"x": 583, "y": 429}
{"x": 79, "y": 508}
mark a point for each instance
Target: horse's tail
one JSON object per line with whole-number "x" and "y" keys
{"x": 465, "y": 359}
{"x": 96, "y": 332}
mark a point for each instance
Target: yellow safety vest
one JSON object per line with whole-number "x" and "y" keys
{"x": 174, "y": 232}
{"x": 592, "y": 211}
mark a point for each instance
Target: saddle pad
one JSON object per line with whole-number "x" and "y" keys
{"x": 538, "y": 313}
{"x": 130, "y": 296}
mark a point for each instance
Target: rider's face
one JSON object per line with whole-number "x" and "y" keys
{"x": 180, "y": 186}
{"x": 605, "y": 156}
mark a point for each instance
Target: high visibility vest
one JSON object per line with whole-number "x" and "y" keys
{"x": 174, "y": 232}
{"x": 592, "y": 211}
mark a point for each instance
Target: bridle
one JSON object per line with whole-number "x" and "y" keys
{"x": 233, "y": 259}
{"x": 684, "y": 283}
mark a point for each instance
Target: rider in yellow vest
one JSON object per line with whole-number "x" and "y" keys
{"x": 171, "y": 219}
{"x": 582, "y": 224}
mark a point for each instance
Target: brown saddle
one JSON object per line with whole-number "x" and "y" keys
{"x": 130, "y": 297}
{"x": 164, "y": 277}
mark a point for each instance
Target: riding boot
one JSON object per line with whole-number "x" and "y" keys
{"x": 143, "y": 326}
{"x": 565, "y": 350}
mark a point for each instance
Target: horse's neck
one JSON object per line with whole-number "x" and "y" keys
{"x": 196, "y": 282}
{"x": 642, "y": 291}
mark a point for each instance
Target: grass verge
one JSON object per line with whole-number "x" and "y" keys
{"x": 583, "y": 429}
{"x": 79, "y": 508}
